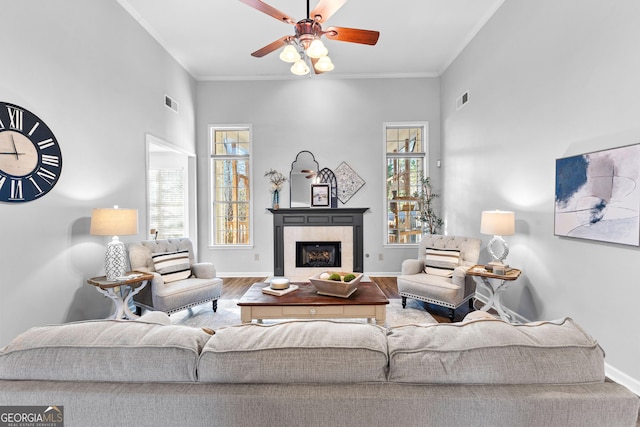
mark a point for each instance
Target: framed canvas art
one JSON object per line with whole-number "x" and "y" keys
{"x": 597, "y": 196}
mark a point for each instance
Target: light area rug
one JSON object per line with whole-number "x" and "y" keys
{"x": 228, "y": 314}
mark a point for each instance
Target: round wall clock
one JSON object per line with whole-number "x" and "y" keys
{"x": 30, "y": 157}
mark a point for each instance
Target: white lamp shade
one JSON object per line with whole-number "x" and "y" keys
{"x": 114, "y": 222}
{"x": 300, "y": 68}
{"x": 498, "y": 223}
{"x": 289, "y": 54}
{"x": 317, "y": 49}
{"x": 324, "y": 64}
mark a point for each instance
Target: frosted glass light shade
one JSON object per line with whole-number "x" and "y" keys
{"x": 317, "y": 49}
{"x": 497, "y": 223}
{"x": 324, "y": 64}
{"x": 289, "y": 54}
{"x": 300, "y": 68}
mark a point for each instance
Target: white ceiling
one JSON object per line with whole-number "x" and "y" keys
{"x": 213, "y": 39}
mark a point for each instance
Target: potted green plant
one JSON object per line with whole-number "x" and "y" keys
{"x": 431, "y": 222}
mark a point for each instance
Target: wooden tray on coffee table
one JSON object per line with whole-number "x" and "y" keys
{"x": 367, "y": 302}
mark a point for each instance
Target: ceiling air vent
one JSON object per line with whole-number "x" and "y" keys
{"x": 170, "y": 103}
{"x": 462, "y": 100}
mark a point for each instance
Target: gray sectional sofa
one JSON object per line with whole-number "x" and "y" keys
{"x": 482, "y": 372}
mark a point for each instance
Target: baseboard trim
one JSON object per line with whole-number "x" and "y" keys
{"x": 621, "y": 378}
{"x": 245, "y": 274}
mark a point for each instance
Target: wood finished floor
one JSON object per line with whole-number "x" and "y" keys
{"x": 235, "y": 287}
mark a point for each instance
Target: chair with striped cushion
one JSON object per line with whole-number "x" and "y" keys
{"x": 178, "y": 281}
{"x": 439, "y": 274}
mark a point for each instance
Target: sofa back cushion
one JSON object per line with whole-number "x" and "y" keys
{"x": 295, "y": 352}
{"x": 494, "y": 352}
{"x": 104, "y": 350}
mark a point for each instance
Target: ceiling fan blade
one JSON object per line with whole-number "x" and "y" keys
{"x": 352, "y": 35}
{"x": 271, "y": 47}
{"x": 269, "y": 10}
{"x": 325, "y": 8}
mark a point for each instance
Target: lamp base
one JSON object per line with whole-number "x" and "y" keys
{"x": 498, "y": 250}
{"x": 115, "y": 264}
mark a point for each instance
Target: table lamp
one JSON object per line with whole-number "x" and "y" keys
{"x": 498, "y": 223}
{"x": 114, "y": 222}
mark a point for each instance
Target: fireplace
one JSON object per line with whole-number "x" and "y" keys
{"x": 344, "y": 225}
{"x": 318, "y": 254}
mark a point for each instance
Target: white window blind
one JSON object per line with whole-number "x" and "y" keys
{"x": 167, "y": 202}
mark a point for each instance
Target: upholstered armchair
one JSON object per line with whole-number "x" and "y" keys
{"x": 178, "y": 281}
{"x": 439, "y": 274}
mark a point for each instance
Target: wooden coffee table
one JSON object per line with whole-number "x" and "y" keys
{"x": 368, "y": 302}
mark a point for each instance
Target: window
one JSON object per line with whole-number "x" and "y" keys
{"x": 230, "y": 179}
{"x": 405, "y": 166}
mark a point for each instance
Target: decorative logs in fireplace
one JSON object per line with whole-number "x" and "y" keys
{"x": 318, "y": 254}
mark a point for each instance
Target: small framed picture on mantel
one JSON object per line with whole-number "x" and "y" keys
{"x": 320, "y": 195}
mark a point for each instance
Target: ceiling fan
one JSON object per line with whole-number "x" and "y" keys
{"x": 306, "y": 42}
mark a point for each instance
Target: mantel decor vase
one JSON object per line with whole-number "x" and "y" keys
{"x": 275, "y": 202}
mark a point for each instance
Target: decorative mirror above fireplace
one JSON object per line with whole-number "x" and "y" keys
{"x": 304, "y": 172}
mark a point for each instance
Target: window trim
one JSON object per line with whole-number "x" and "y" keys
{"x": 426, "y": 157}
{"x": 211, "y": 186}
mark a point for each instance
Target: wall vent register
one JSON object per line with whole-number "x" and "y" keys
{"x": 170, "y": 103}
{"x": 462, "y": 100}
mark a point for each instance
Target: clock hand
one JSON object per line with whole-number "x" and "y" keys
{"x": 15, "y": 149}
{"x": 13, "y": 153}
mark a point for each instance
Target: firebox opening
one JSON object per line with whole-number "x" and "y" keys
{"x": 318, "y": 254}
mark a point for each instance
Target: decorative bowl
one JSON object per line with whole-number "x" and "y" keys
{"x": 279, "y": 283}
{"x": 334, "y": 288}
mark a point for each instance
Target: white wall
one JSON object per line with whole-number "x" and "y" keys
{"x": 548, "y": 79}
{"x": 337, "y": 120}
{"x": 98, "y": 80}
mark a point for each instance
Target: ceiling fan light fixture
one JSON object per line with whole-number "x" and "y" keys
{"x": 317, "y": 49}
{"x": 324, "y": 64}
{"x": 290, "y": 54}
{"x": 300, "y": 68}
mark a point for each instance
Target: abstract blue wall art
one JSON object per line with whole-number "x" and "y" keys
{"x": 597, "y": 196}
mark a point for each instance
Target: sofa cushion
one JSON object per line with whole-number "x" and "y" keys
{"x": 490, "y": 351}
{"x": 104, "y": 350}
{"x": 295, "y": 352}
{"x": 172, "y": 266}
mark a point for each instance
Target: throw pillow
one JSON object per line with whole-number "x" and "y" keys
{"x": 441, "y": 262}
{"x": 172, "y": 266}
{"x": 442, "y": 272}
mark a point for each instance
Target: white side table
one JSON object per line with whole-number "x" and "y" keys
{"x": 495, "y": 293}
{"x": 125, "y": 292}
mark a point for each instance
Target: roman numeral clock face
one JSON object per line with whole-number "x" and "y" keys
{"x": 30, "y": 157}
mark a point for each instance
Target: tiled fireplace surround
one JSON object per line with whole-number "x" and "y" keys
{"x": 316, "y": 224}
